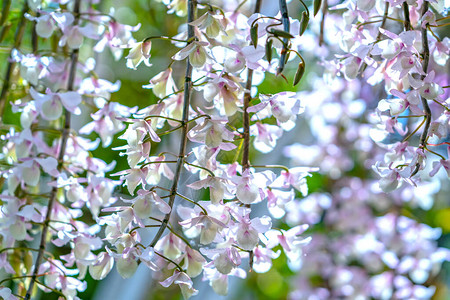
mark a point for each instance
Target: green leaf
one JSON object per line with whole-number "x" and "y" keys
{"x": 304, "y": 22}
{"x": 299, "y": 73}
{"x": 281, "y": 33}
{"x": 254, "y": 35}
{"x": 269, "y": 50}
{"x": 317, "y": 5}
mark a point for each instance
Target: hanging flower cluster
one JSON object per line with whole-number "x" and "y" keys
{"x": 217, "y": 111}
{"x": 194, "y": 202}
{"x": 375, "y": 244}
{"x": 53, "y": 183}
{"x": 52, "y": 175}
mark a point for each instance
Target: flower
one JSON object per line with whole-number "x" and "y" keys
{"x": 139, "y": 52}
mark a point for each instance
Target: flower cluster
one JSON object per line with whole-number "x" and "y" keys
{"x": 190, "y": 199}
{"x": 375, "y": 244}
{"x": 55, "y": 183}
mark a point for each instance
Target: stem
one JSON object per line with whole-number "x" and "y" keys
{"x": 169, "y": 260}
{"x": 415, "y": 130}
{"x": 273, "y": 167}
{"x": 62, "y": 150}
{"x": 286, "y": 26}
{"x": 34, "y": 36}
{"x": 435, "y": 153}
{"x": 322, "y": 23}
{"x": 247, "y": 98}
{"x": 184, "y": 125}
{"x": 202, "y": 168}
{"x": 407, "y": 22}
{"x": 246, "y": 121}
{"x": 11, "y": 64}
{"x": 426, "y": 107}
{"x": 193, "y": 202}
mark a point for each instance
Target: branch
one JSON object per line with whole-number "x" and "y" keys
{"x": 184, "y": 125}
{"x": 11, "y": 64}
{"x": 247, "y": 98}
{"x": 322, "y": 23}
{"x": 246, "y": 121}
{"x": 286, "y": 27}
{"x": 62, "y": 150}
{"x": 407, "y": 22}
{"x": 426, "y": 107}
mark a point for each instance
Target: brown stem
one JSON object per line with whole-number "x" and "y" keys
{"x": 34, "y": 36}
{"x": 286, "y": 27}
{"x": 247, "y": 98}
{"x": 11, "y": 64}
{"x": 62, "y": 150}
{"x": 407, "y": 22}
{"x": 246, "y": 121}
{"x": 426, "y": 107}
{"x": 184, "y": 125}
{"x": 322, "y": 23}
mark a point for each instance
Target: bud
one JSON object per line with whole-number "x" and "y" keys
{"x": 281, "y": 33}
{"x": 269, "y": 50}
{"x": 299, "y": 73}
{"x": 304, "y": 22}
{"x": 317, "y": 4}
{"x": 254, "y": 35}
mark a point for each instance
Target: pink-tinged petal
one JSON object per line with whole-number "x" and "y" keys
{"x": 398, "y": 94}
{"x": 161, "y": 204}
{"x": 257, "y": 107}
{"x": 71, "y": 100}
{"x": 102, "y": 266}
{"x": 45, "y": 26}
{"x": 51, "y": 109}
{"x": 168, "y": 282}
{"x": 436, "y": 166}
{"x": 183, "y": 53}
{"x": 49, "y": 165}
{"x": 262, "y": 224}
{"x": 388, "y": 33}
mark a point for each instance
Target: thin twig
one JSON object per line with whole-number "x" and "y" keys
{"x": 184, "y": 125}
{"x": 62, "y": 150}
